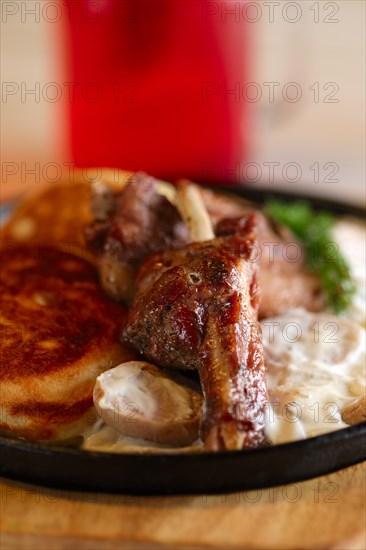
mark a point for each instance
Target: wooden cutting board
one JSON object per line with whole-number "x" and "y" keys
{"x": 325, "y": 513}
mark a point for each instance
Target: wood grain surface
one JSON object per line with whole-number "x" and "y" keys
{"x": 324, "y": 513}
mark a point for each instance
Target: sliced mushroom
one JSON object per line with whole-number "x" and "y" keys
{"x": 355, "y": 412}
{"x": 140, "y": 400}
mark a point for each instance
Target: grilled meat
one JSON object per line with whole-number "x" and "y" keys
{"x": 129, "y": 226}
{"x": 284, "y": 280}
{"x": 139, "y": 221}
{"x": 197, "y": 308}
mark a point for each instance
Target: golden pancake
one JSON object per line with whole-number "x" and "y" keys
{"x": 57, "y": 215}
{"x": 58, "y": 333}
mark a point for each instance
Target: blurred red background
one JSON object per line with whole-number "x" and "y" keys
{"x": 152, "y": 79}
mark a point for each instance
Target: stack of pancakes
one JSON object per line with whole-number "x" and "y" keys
{"x": 58, "y": 329}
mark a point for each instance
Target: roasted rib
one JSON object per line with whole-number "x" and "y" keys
{"x": 197, "y": 308}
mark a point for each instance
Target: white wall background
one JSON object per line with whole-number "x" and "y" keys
{"x": 307, "y": 132}
{"x": 32, "y": 129}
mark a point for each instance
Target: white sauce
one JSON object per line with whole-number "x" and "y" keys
{"x": 315, "y": 367}
{"x": 101, "y": 437}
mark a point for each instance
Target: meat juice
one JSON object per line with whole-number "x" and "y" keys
{"x": 155, "y": 86}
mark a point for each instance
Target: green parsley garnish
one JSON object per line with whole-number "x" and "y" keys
{"x": 322, "y": 254}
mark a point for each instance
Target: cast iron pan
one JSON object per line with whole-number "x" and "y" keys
{"x": 183, "y": 474}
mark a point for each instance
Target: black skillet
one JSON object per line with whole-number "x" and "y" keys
{"x": 179, "y": 474}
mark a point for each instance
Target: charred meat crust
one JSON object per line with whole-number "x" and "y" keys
{"x": 199, "y": 311}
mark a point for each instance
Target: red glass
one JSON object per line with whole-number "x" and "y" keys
{"x": 151, "y": 83}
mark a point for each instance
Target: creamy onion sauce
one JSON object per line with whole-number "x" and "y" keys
{"x": 315, "y": 366}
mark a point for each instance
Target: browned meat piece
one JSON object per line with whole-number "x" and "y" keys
{"x": 130, "y": 226}
{"x": 197, "y": 308}
{"x": 139, "y": 221}
{"x": 221, "y": 206}
{"x": 282, "y": 291}
{"x": 284, "y": 280}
